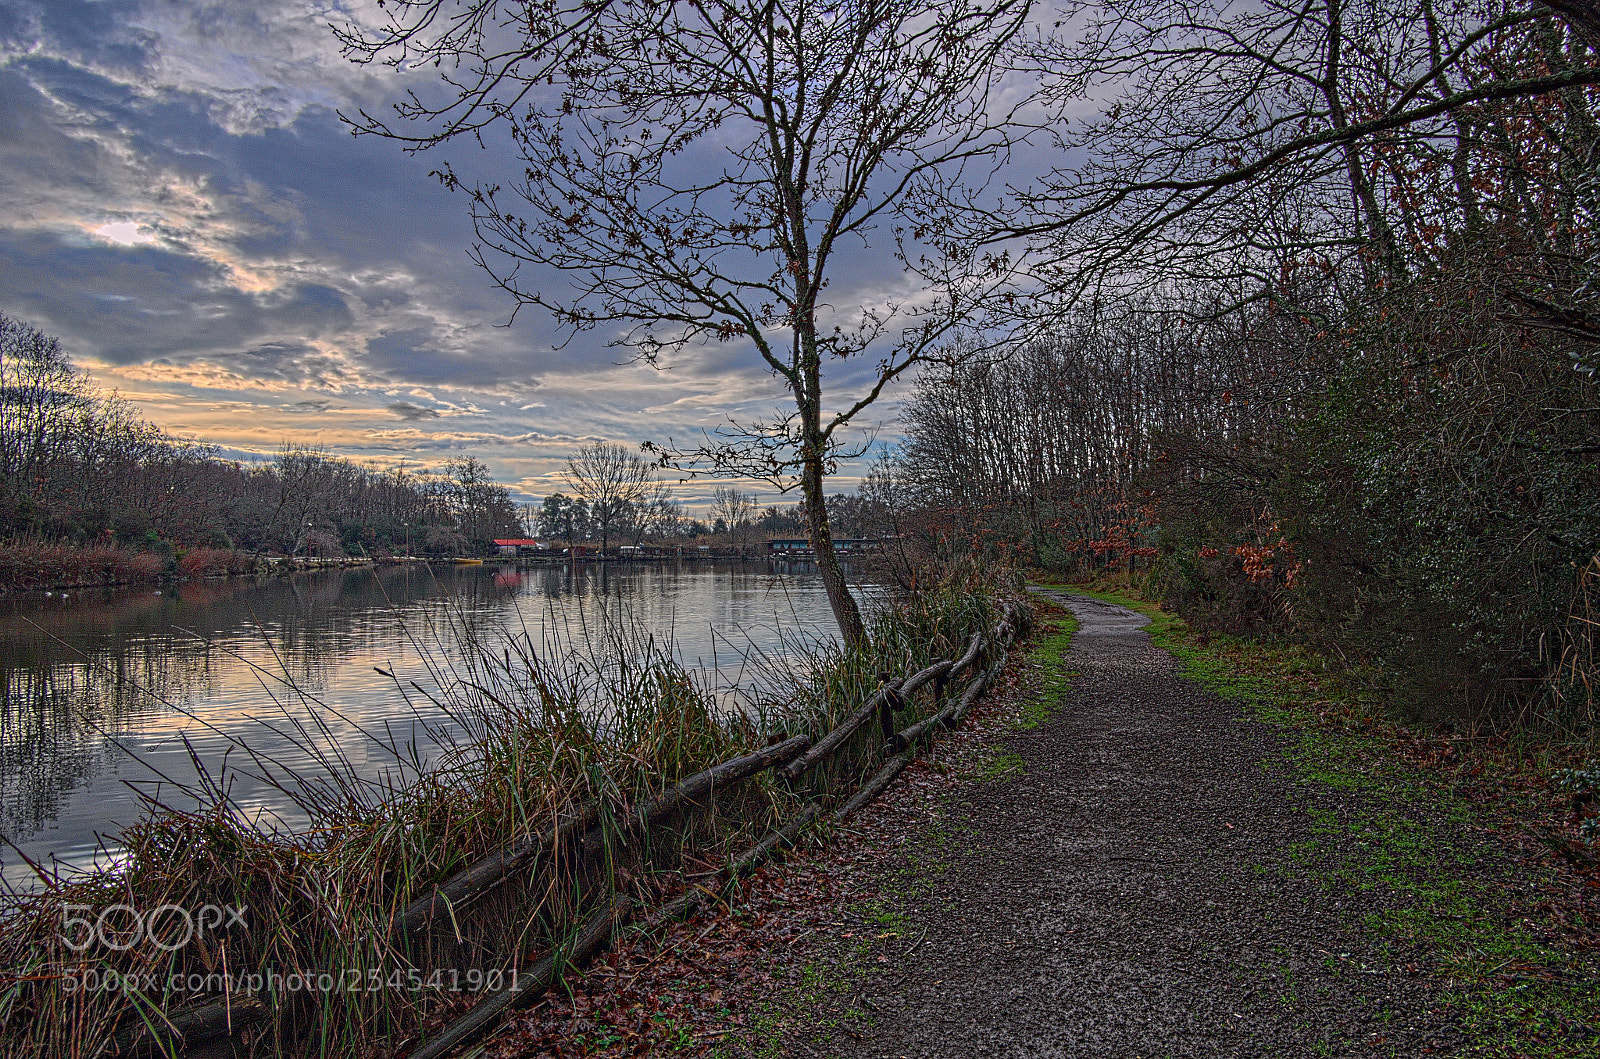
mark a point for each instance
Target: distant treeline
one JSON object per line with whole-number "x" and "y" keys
{"x": 78, "y": 465}
{"x": 561, "y": 518}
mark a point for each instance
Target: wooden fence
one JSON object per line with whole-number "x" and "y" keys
{"x": 585, "y": 837}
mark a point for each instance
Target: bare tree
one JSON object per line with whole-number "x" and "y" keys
{"x": 663, "y": 515}
{"x": 481, "y": 507}
{"x": 611, "y": 479}
{"x": 656, "y": 513}
{"x": 305, "y": 481}
{"x": 737, "y": 509}
{"x": 701, "y": 167}
{"x": 40, "y": 395}
{"x": 1245, "y": 143}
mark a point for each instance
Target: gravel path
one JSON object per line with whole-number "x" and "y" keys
{"x": 1133, "y": 892}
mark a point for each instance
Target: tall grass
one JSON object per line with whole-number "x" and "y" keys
{"x": 534, "y": 730}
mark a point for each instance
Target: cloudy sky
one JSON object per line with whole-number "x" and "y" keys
{"x": 180, "y": 204}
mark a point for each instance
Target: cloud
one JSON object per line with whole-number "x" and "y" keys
{"x": 97, "y": 34}
{"x": 181, "y": 204}
{"x": 410, "y": 412}
{"x": 125, "y": 233}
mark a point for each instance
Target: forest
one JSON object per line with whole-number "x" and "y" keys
{"x": 1312, "y": 380}
{"x": 80, "y": 467}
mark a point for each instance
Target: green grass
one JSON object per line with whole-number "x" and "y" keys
{"x": 1405, "y": 836}
{"x": 1001, "y": 765}
{"x": 1049, "y": 650}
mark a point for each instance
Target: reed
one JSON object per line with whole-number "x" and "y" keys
{"x": 605, "y": 718}
{"x": 1573, "y": 686}
{"x": 27, "y": 564}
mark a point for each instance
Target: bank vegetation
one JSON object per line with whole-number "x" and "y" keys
{"x": 547, "y": 754}
{"x": 91, "y": 492}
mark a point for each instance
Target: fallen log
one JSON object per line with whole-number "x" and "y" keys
{"x": 970, "y": 657}
{"x": 590, "y": 938}
{"x": 845, "y": 729}
{"x": 686, "y": 903}
{"x": 186, "y": 1029}
{"x": 960, "y": 709}
{"x": 876, "y": 785}
{"x": 944, "y": 718}
{"x": 932, "y": 673}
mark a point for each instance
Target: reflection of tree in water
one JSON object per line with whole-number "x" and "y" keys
{"x": 42, "y": 751}
{"x": 115, "y": 663}
{"x": 56, "y": 717}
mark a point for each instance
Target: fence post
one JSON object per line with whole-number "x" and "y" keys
{"x": 887, "y": 704}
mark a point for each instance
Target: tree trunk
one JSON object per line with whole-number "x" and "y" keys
{"x": 845, "y": 611}
{"x": 813, "y": 469}
{"x": 1366, "y": 203}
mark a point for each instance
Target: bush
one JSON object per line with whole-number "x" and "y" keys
{"x": 1426, "y": 515}
{"x": 213, "y": 562}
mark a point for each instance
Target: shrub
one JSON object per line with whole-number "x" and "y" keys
{"x": 53, "y": 564}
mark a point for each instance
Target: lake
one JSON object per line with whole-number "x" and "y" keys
{"x": 111, "y": 688}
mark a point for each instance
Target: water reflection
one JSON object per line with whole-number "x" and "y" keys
{"x": 111, "y": 689}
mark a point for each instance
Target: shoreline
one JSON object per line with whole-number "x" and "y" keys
{"x": 52, "y": 566}
{"x": 46, "y": 566}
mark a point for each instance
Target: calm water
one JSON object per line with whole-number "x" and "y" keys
{"x": 112, "y": 690}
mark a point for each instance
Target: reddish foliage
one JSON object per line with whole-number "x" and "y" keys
{"x": 213, "y": 562}
{"x": 46, "y": 564}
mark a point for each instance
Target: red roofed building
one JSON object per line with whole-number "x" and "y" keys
{"x": 517, "y": 546}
